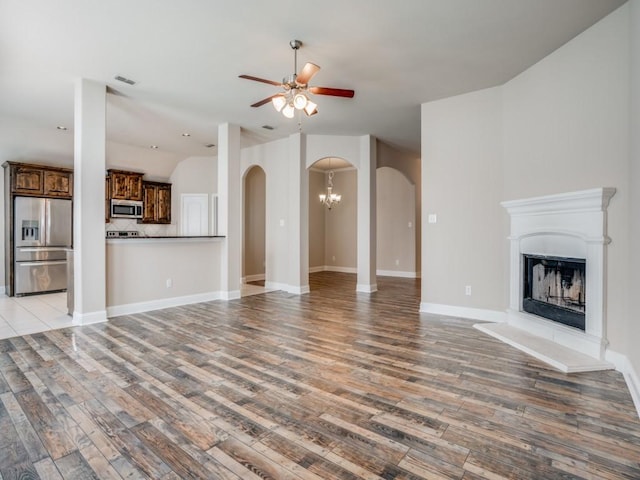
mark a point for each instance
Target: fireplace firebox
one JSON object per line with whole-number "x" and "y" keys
{"x": 554, "y": 288}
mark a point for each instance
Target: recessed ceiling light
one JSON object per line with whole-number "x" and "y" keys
{"x": 61, "y": 127}
{"x": 210, "y": 145}
{"x": 185, "y": 134}
{"x": 153, "y": 146}
{"x": 126, "y": 80}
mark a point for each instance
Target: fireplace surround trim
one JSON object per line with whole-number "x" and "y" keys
{"x": 573, "y": 225}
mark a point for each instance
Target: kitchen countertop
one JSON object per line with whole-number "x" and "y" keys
{"x": 165, "y": 236}
{"x": 183, "y": 238}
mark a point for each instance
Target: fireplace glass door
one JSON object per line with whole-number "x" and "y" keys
{"x": 554, "y": 288}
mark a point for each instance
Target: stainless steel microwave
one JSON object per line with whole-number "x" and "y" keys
{"x": 126, "y": 209}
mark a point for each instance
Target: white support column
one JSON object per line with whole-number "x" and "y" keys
{"x": 230, "y": 209}
{"x": 299, "y": 216}
{"x": 367, "y": 216}
{"x": 88, "y": 203}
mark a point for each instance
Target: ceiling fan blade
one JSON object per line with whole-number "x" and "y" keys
{"x": 257, "y": 79}
{"x": 266, "y": 100}
{"x": 307, "y": 72}
{"x": 336, "y": 92}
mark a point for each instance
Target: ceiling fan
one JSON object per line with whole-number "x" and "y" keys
{"x": 297, "y": 89}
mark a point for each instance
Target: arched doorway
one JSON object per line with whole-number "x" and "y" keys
{"x": 333, "y": 232}
{"x": 253, "y": 231}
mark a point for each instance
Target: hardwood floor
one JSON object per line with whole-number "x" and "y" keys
{"x": 329, "y": 385}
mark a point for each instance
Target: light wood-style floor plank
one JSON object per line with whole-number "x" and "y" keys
{"x": 329, "y": 385}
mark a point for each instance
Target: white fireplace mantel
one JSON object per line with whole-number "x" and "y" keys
{"x": 565, "y": 225}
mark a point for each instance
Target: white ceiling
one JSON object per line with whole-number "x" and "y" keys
{"x": 186, "y": 56}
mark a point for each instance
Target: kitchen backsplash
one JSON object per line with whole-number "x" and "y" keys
{"x": 144, "y": 229}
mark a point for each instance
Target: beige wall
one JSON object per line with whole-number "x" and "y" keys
{"x": 462, "y": 186}
{"x": 566, "y": 128}
{"x": 396, "y": 222}
{"x": 341, "y": 223}
{"x": 138, "y": 270}
{"x": 253, "y": 259}
{"x": 409, "y": 163}
{"x": 317, "y": 185}
{"x": 560, "y": 126}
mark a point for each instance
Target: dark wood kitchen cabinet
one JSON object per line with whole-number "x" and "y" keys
{"x": 125, "y": 185}
{"x": 40, "y": 180}
{"x": 156, "y": 198}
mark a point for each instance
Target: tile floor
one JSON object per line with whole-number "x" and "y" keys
{"x": 33, "y": 314}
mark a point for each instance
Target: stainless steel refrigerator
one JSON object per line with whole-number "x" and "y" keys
{"x": 42, "y": 236}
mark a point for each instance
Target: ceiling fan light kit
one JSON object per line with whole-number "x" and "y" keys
{"x": 296, "y": 88}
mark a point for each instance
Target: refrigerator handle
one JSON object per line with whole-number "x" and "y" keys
{"x": 47, "y": 221}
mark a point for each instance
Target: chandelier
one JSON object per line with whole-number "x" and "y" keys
{"x": 330, "y": 199}
{"x": 294, "y": 99}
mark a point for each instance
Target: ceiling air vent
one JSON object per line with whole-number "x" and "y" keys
{"x": 210, "y": 145}
{"x": 267, "y": 127}
{"x": 128, "y": 81}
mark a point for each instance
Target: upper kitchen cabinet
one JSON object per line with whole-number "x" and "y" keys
{"x": 125, "y": 185}
{"x": 58, "y": 184}
{"x": 156, "y": 202}
{"x": 39, "y": 180}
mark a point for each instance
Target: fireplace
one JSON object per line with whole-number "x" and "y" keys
{"x": 554, "y": 288}
{"x": 558, "y": 268}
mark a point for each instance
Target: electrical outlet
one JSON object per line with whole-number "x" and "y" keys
{"x": 397, "y": 262}
{"x": 410, "y": 224}
{"x": 467, "y": 290}
{"x": 169, "y": 283}
{"x": 432, "y": 218}
{"x": 333, "y": 259}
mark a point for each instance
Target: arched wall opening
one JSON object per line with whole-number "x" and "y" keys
{"x": 333, "y": 232}
{"x": 254, "y": 226}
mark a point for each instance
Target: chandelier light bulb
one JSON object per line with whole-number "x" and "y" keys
{"x": 300, "y": 101}
{"x": 278, "y": 102}
{"x": 288, "y": 110}
{"x": 310, "y": 108}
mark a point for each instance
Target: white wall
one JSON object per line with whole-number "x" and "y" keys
{"x": 273, "y": 159}
{"x": 561, "y": 125}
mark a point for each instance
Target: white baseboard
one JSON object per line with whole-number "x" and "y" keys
{"x": 285, "y": 287}
{"x": 394, "y": 273}
{"x": 90, "y": 318}
{"x": 253, "y": 278}
{"x": 463, "y": 312}
{"x": 226, "y": 295}
{"x": 631, "y": 377}
{"x": 366, "y": 288}
{"x": 131, "y": 308}
{"x": 382, "y": 273}
{"x": 334, "y": 268}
